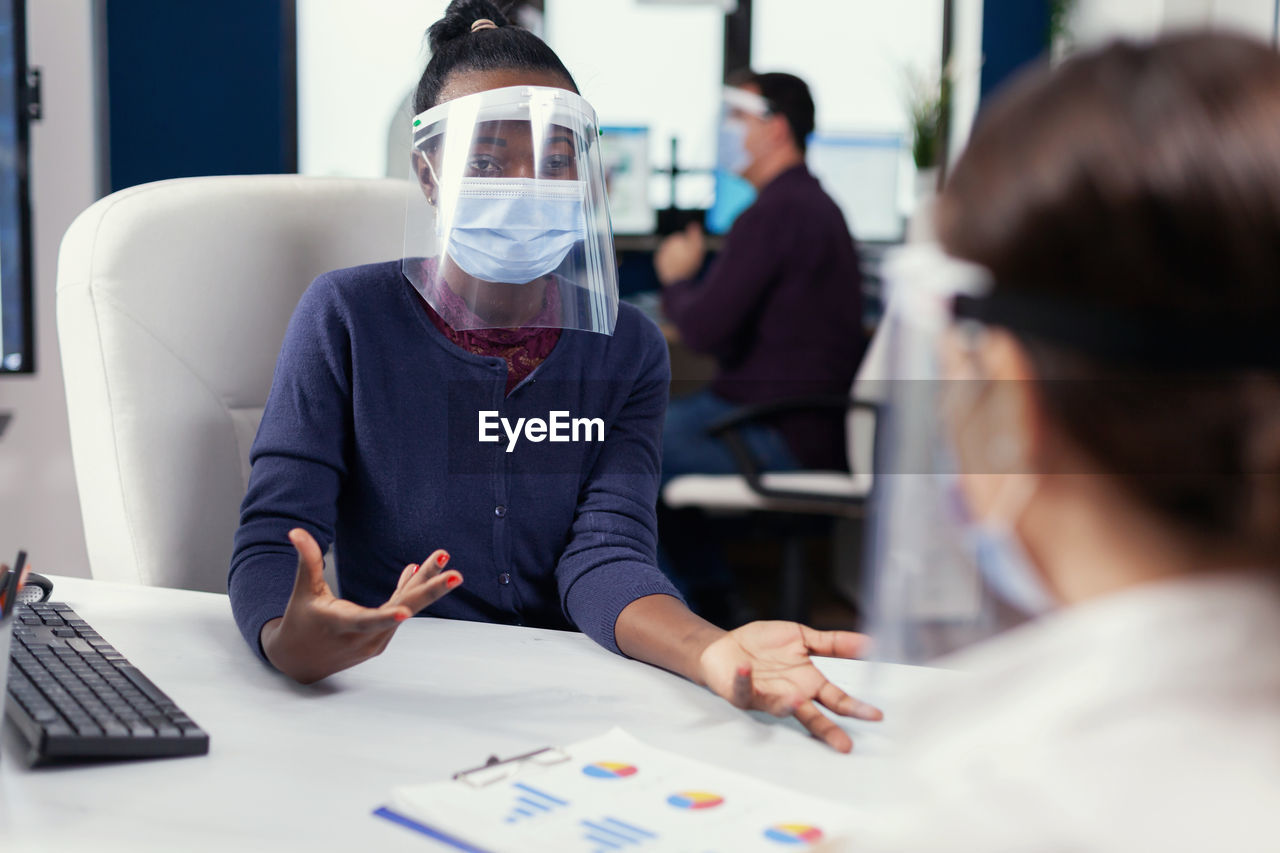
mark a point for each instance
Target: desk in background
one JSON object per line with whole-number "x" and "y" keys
{"x": 292, "y": 767}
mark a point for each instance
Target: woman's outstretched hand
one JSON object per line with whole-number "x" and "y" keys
{"x": 321, "y": 634}
{"x": 766, "y": 666}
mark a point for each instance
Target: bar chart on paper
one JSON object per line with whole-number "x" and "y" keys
{"x": 531, "y": 802}
{"x": 614, "y": 793}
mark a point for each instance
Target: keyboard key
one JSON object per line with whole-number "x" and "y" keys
{"x": 86, "y": 727}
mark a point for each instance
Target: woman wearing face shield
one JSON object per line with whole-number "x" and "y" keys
{"x": 1102, "y": 315}
{"x": 486, "y": 401}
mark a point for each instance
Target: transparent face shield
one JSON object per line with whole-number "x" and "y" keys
{"x": 941, "y": 578}
{"x": 509, "y": 226}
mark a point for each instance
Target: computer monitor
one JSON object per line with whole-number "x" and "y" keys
{"x": 861, "y": 171}
{"x": 17, "y": 344}
{"x": 625, "y": 152}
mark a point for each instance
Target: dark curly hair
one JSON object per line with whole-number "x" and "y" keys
{"x": 455, "y": 48}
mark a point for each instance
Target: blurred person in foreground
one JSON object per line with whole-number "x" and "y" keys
{"x": 1101, "y": 312}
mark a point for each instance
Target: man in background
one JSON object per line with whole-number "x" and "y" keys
{"x": 780, "y": 310}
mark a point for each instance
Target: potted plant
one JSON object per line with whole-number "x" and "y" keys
{"x": 929, "y": 103}
{"x": 1060, "y": 36}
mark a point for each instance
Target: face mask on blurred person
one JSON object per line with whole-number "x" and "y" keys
{"x": 732, "y": 154}
{"x": 738, "y": 108}
{"x": 995, "y": 548}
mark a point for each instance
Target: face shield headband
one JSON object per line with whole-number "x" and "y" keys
{"x": 509, "y": 226}
{"x": 1151, "y": 339}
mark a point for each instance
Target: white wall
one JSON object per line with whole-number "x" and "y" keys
{"x": 966, "y": 72}
{"x": 39, "y": 507}
{"x": 356, "y": 62}
{"x": 854, "y": 54}
{"x": 1097, "y": 21}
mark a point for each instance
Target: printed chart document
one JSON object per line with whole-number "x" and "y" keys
{"x": 614, "y": 793}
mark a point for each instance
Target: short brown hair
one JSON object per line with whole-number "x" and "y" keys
{"x": 787, "y": 96}
{"x": 1145, "y": 180}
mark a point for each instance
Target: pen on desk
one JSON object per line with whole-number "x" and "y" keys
{"x": 9, "y": 595}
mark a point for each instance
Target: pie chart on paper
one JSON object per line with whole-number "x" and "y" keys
{"x": 609, "y": 770}
{"x": 794, "y": 834}
{"x": 695, "y": 800}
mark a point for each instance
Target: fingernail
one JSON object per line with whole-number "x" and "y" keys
{"x": 744, "y": 671}
{"x": 400, "y": 617}
{"x": 442, "y": 560}
{"x": 453, "y": 580}
{"x": 415, "y": 571}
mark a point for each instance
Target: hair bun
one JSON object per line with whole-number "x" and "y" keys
{"x": 458, "y": 19}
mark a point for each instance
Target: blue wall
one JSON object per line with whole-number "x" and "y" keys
{"x": 199, "y": 88}
{"x": 1014, "y": 33}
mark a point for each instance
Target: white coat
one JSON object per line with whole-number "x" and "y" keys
{"x": 1148, "y": 720}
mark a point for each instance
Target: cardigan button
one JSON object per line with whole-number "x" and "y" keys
{"x": 504, "y": 578}
{"x": 500, "y": 511}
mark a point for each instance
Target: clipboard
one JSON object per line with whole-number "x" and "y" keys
{"x": 493, "y": 770}
{"x": 497, "y": 769}
{"x": 609, "y": 794}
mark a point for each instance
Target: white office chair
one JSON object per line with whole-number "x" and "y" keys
{"x": 841, "y": 494}
{"x": 172, "y": 303}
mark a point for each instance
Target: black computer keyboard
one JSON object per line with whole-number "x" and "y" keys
{"x": 74, "y": 697}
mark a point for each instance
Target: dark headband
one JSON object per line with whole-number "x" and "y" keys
{"x": 1151, "y": 339}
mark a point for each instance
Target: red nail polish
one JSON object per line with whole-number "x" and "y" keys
{"x": 415, "y": 570}
{"x": 453, "y": 580}
{"x": 443, "y": 559}
{"x": 744, "y": 671}
{"x": 400, "y": 617}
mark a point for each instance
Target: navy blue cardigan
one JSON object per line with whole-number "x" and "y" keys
{"x": 370, "y": 438}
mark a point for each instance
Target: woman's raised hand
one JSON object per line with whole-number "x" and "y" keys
{"x": 321, "y": 634}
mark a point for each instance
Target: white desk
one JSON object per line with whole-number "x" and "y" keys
{"x": 293, "y": 767}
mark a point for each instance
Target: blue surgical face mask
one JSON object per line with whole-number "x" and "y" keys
{"x": 731, "y": 149}
{"x": 1003, "y": 561}
{"x": 513, "y": 230}
{"x": 1008, "y": 570}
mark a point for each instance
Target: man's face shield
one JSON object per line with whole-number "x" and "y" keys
{"x": 947, "y": 568}
{"x": 511, "y": 228}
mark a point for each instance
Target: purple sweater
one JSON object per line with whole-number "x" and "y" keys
{"x": 370, "y": 439}
{"x": 781, "y": 311}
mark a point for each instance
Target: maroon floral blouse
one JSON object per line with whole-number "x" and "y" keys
{"x": 522, "y": 349}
